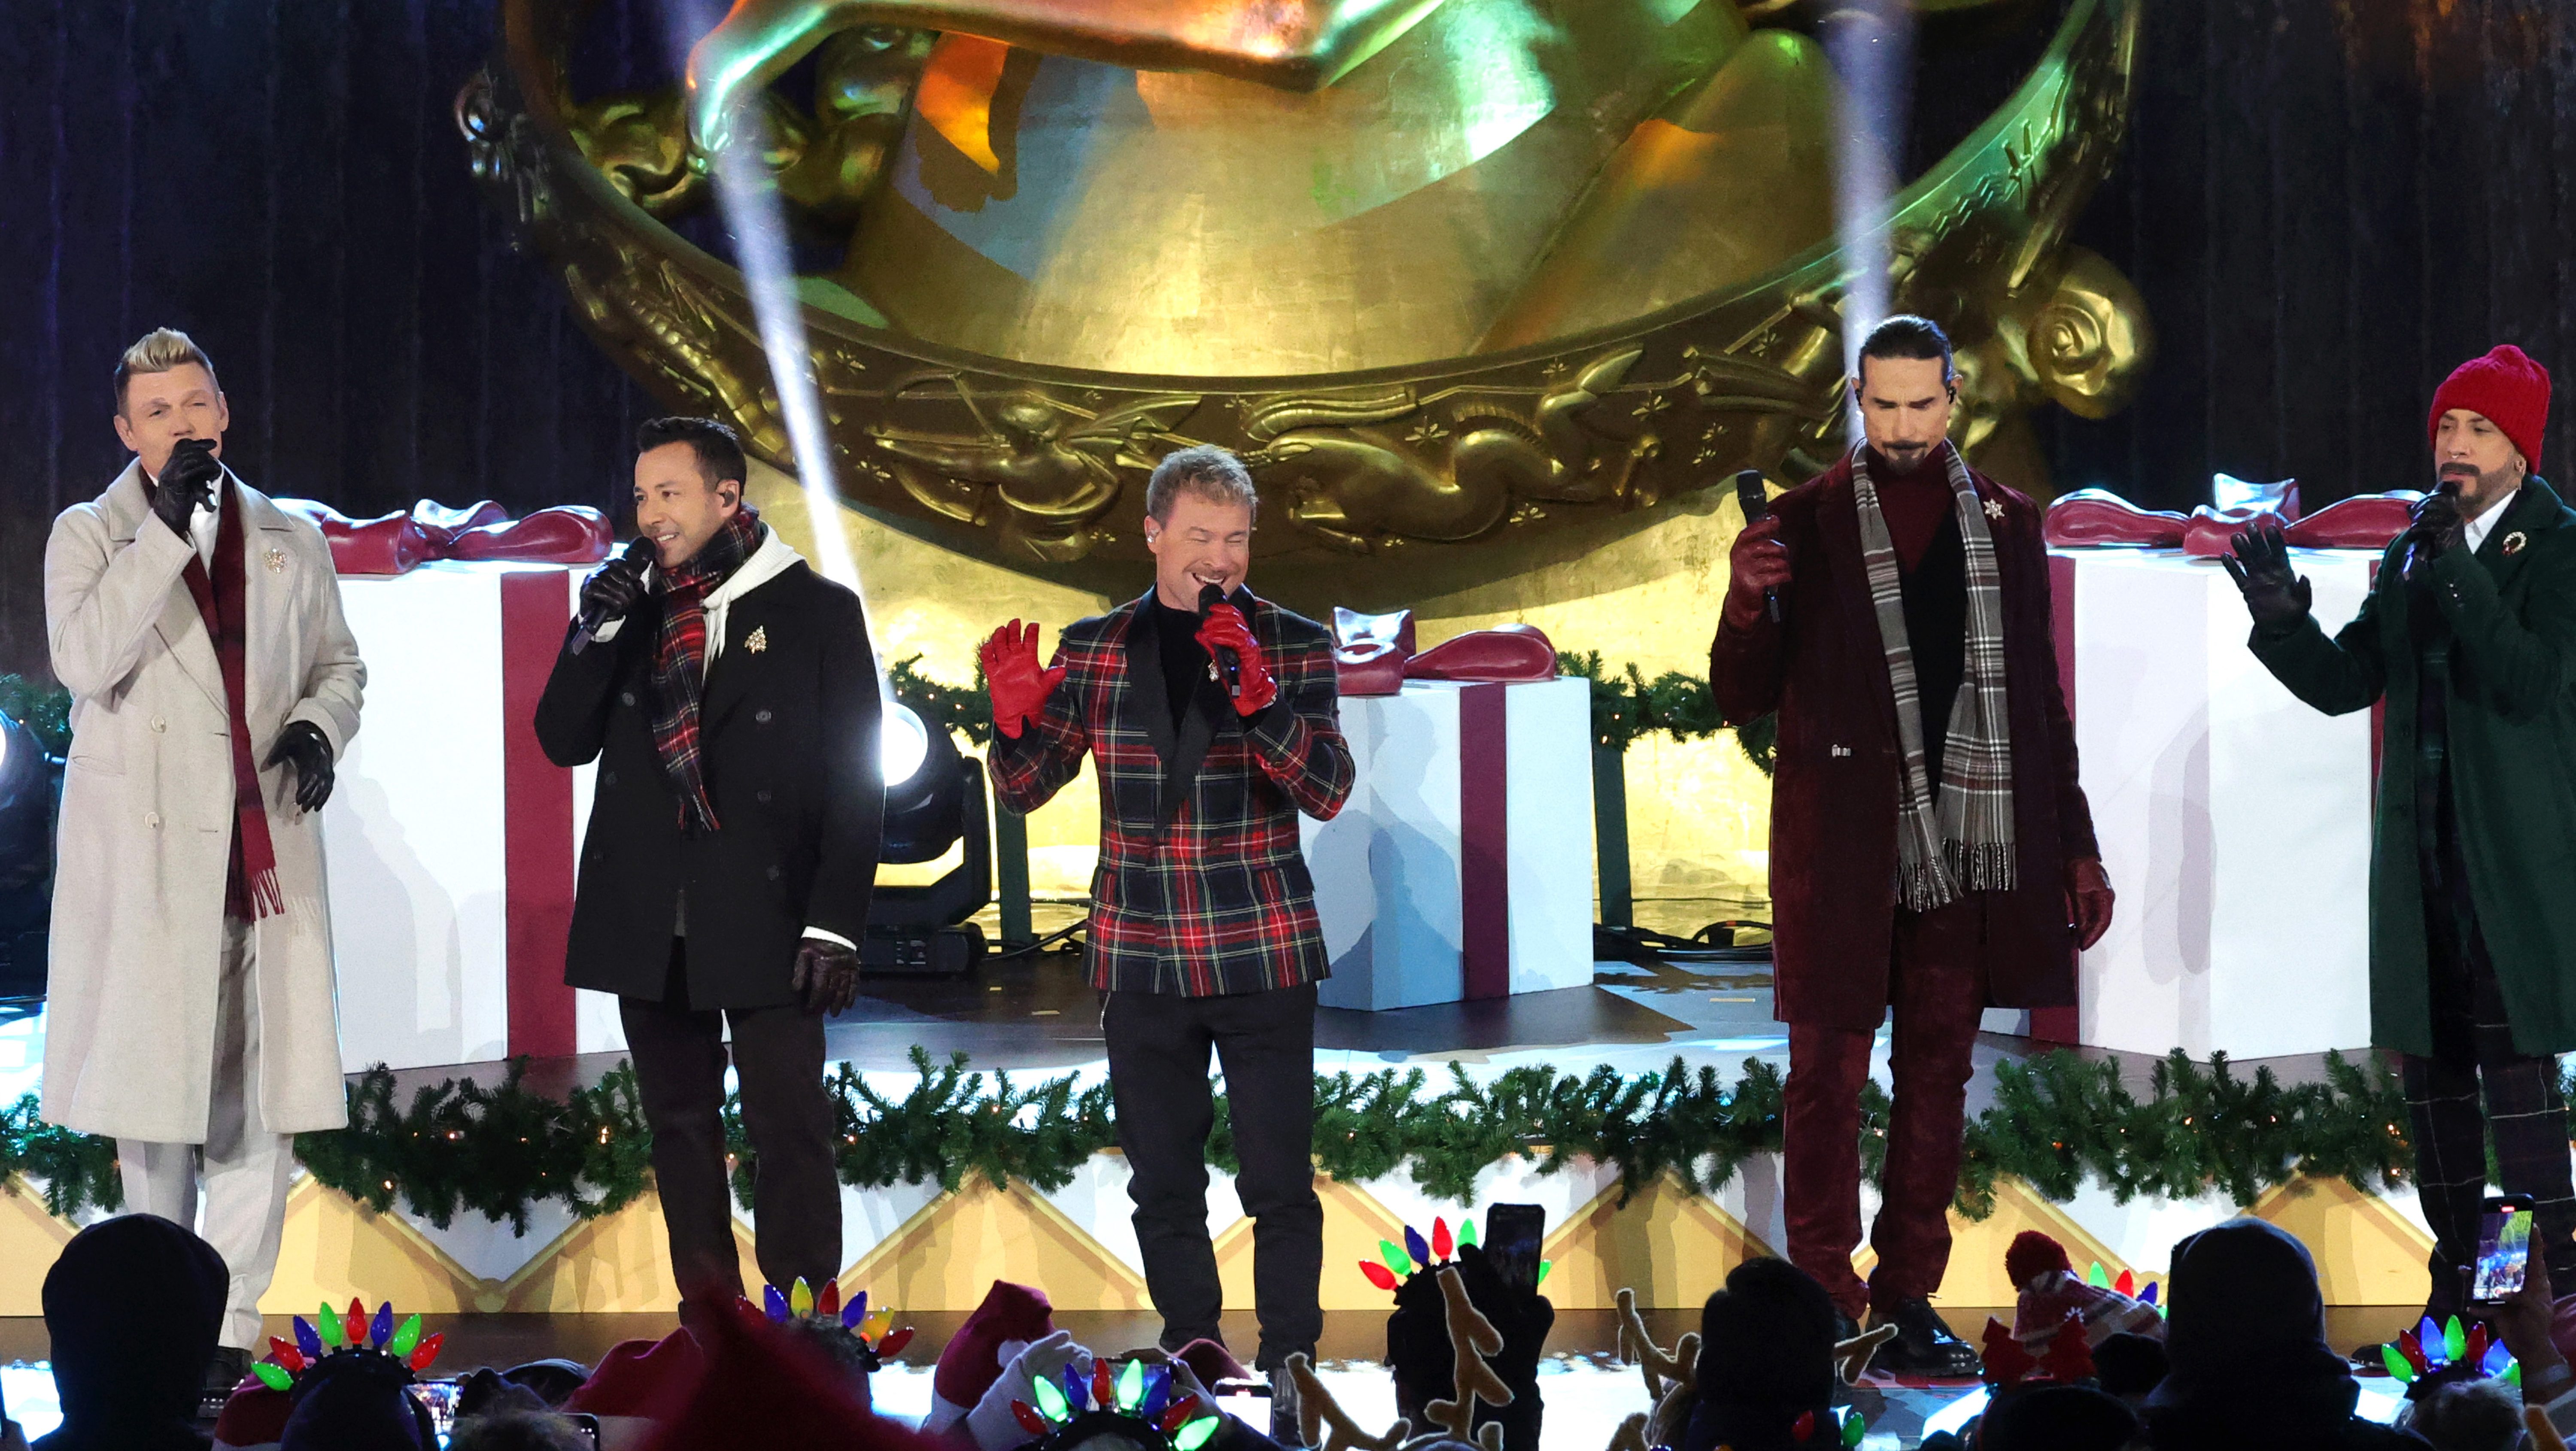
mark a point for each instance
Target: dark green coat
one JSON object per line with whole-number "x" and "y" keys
{"x": 2512, "y": 751}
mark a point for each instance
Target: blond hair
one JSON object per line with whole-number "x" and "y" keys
{"x": 159, "y": 351}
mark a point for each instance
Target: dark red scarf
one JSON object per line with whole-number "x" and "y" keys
{"x": 251, "y": 887}
{"x": 680, "y": 663}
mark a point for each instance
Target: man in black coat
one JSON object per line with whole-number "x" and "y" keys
{"x": 729, "y": 695}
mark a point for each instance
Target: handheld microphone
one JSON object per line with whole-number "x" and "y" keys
{"x": 638, "y": 552}
{"x": 1756, "y": 504}
{"x": 1210, "y": 596}
{"x": 2415, "y": 545}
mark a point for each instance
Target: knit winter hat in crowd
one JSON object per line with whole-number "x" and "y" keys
{"x": 129, "y": 1378}
{"x": 1010, "y": 1319}
{"x": 754, "y": 1376}
{"x": 636, "y": 1380}
{"x": 2508, "y": 388}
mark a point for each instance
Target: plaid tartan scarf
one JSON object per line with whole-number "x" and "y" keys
{"x": 1963, "y": 841}
{"x": 680, "y": 663}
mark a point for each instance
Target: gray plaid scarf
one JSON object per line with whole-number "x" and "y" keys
{"x": 1964, "y": 841}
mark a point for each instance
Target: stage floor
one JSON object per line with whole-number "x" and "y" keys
{"x": 1038, "y": 1014}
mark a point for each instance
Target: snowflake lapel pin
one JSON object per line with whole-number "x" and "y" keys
{"x": 1994, "y": 509}
{"x": 277, "y": 561}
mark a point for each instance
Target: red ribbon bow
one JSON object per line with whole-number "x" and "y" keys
{"x": 399, "y": 543}
{"x": 2092, "y": 518}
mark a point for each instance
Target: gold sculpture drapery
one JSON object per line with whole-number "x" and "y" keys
{"x": 1556, "y": 417}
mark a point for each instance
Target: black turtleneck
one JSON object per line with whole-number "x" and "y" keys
{"x": 1185, "y": 660}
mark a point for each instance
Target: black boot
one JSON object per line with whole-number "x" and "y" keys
{"x": 1923, "y": 1345}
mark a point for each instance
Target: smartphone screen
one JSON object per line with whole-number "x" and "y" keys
{"x": 440, "y": 1397}
{"x": 1512, "y": 1235}
{"x": 2504, "y": 1250}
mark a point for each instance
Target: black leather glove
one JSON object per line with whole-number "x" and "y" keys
{"x": 826, "y": 976}
{"x": 2276, "y": 595}
{"x": 186, "y": 481}
{"x": 304, "y": 746}
{"x": 612, "y": 592}
{"x": 2439, "y": 525}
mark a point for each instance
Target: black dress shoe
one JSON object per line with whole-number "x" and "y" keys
{"x": 226, "y": 1370}
{"x": 1923, "y": 1345}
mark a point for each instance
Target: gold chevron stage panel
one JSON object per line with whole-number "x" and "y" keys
{"x": 1671, "y": 1246}
{"x": 1976, "y": 1274}
{"x": 30, "y": 1241}
{"x": 2367, "y": 1253}
{"x": 949, "y": 1254}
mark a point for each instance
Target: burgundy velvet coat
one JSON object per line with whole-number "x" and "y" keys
{"x": 1835, "y": 789}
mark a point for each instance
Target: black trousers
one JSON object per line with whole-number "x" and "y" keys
{"x": 2477, "y": 1084}
{"x": 1158, "y": 1073}
{"x": 679, "y": 1057}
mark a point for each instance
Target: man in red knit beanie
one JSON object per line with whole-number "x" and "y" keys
{"x": 2469, "y": 634}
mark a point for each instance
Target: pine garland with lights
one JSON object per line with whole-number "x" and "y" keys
{"x": 2057, "y": 1120}
{"x": 1627, "y": 706}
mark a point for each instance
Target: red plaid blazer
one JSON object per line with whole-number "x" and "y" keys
{"x": 1201, "y": 887}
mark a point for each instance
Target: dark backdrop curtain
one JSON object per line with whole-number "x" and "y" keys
{"x": 2327, "y": 204}
{"x": 282, "y": 180}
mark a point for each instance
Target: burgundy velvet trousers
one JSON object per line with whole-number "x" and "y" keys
{"x": 1937, "y": 988}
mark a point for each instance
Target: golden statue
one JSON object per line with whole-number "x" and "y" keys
{"x": 1472, "y": 284}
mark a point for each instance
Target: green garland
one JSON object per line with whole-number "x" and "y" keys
{"x": 1626, "y": 706}
{"x": 45, "y": 710}
{"x": 963, "y": 709}
{"x": 2057, "y": 1119}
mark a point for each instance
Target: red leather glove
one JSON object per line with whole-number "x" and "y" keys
{"x": 1012, "y": 677}
{"x": 2088, "y": 900}
{"x": 1758, "y": 562}
{"x": 1226, "y": 629}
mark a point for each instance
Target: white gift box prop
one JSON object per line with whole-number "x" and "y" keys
{"x": 2234, "y": 820}
{"x": 449, "y": 841}
{"x": 1461, "y": 867}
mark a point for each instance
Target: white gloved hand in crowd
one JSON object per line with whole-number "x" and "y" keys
{"x": 991, "y": 1426}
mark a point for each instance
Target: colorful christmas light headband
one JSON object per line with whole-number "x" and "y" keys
{"x": 350, "y": 1334}
{"x": 878, "y": 1342}
{"x": 2419, "y": 1353}
{"x": 1848, "y": 1427}
{"x": 2127, "y": 1284}
{"x": 1136, "y": 1401}
{"x": 1414, "y": 1256}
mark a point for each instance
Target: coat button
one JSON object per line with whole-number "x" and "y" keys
{"x": 608, "y": 778}
{"x": 152, "y": 821}
{"x": 762, "y": 717}
{"x": 159, "y": 724}
{"x": 626, "y": 697}
{"x": 762, "y": 796}
{"x": 773, "y": 874}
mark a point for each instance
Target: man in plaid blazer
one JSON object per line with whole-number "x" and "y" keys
{"x": 1210, "y": 716}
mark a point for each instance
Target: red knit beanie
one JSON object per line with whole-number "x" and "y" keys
{"x": 2507, "y": 387}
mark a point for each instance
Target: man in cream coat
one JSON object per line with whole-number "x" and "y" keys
{"x": 214, "y": 684}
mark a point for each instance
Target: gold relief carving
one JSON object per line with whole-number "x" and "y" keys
{"x": 1392, "y": 482}
{"x": 1052, "y": 466}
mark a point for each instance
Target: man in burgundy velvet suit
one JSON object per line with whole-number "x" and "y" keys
{"x": 1931, "y": 851}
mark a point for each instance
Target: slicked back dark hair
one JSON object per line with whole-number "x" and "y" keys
{"x": 719, "y": 448}
{"x": 1908, "y": 336}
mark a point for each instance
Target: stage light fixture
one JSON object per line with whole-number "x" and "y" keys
{"x": 934, "y": 800}
{"x": 30, "y": 785}
{"x": 903, "y": 744}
